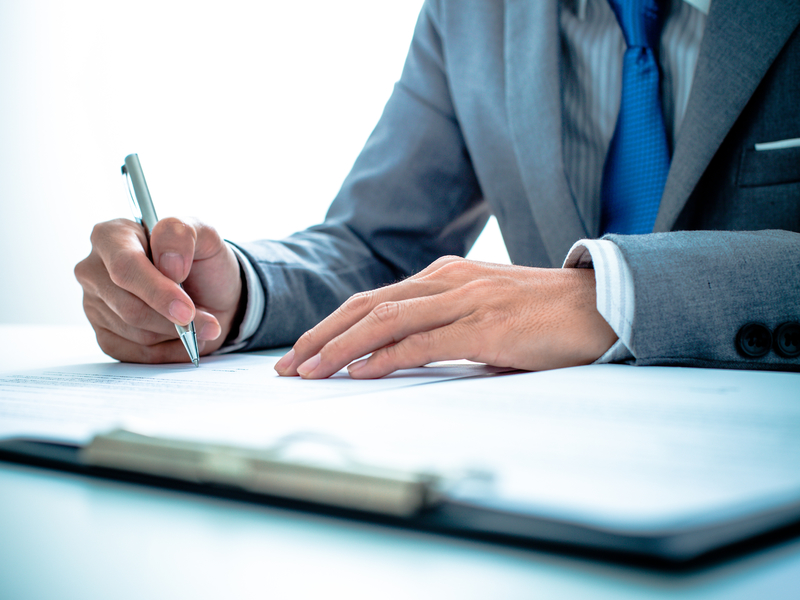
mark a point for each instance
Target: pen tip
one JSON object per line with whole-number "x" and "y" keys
{"x": 196, "y": 362}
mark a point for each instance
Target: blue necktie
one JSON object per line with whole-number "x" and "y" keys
{"x": 638, "y": 159}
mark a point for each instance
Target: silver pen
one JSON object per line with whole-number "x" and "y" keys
{"x": 145, "y": 213}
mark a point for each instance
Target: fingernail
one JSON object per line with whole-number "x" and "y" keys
{"x": 357, "y": 366}
{"x": 308, "y": 367}
{"x": 180, "y": 311}
{"x": 209, "y": 331}
{"x": 285, "y": 361}
{"x": 171, "y": 265}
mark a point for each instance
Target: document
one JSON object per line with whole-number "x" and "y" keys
{"x": 74, "y": 402}
{"x": 616, "y": 453}
{"x": 628, "y": 448}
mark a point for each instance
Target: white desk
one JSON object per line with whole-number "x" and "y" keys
{"x": 63, "y": 536}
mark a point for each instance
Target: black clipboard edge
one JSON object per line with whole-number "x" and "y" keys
{"x": 684, "y": 552}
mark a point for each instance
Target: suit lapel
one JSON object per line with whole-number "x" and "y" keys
{"x": 533, "y": 102}
{"x": 741, "y": 40}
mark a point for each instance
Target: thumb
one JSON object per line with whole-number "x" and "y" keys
{"x": 172, "y": 244}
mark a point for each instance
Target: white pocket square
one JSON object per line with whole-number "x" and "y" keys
{"x": 780, "y": 145}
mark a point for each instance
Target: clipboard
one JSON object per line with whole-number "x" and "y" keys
{"x": 393, "y": 498}
{"x": 511, "y": 411}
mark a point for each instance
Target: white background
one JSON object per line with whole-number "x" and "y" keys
{"x": 247, "y": 115}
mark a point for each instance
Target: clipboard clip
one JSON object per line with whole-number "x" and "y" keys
{"x": 342, "y": 482}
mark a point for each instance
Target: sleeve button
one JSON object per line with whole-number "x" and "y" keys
{"x": 787, "y": 340}
{"x": 753, "y": 340}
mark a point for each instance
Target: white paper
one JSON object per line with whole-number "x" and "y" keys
{"x": 609, "y": 445}
{"x": 624, "y": 447}
{"x": 74, "y": 402}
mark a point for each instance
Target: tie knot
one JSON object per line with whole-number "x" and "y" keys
{"x": 640, "y": 20}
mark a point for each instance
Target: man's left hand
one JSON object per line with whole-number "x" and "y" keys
{"x": 502, "y": 315}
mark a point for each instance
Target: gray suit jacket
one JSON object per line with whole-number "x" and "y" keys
{"x": 474, "y": 127}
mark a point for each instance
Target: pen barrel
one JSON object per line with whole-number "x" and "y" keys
{"x": 141, "y": 192}
{"x": 143, "y": 205}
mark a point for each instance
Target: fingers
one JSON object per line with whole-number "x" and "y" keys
{"x": 118, "y": 249}
{"x": 126, "y": 296}
{"x": 171, "y": 351}
{"x": 354, "y": 309}
{"x": 208, "y": 243}
{"x": 113, "y": 303}
{"x": 387, "y": 324}
{"x": 434, "y": 279}
{"x": 502, "y": 315}
{"x": 446, "y": 273}
{"x": 136, "y": 321}
{"x": 100, "y": 315}
{"x": 193, "y": 253}
{"x": 312, "y": 341}
{"x": 443, "y": 343}
{"x": 172, "y": 245}
{"x": 214, "y": 283}
{"x": 436, "y": 265}
{"x": 214, "y": 280}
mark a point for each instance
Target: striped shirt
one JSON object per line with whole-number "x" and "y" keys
{"x": 592, "y": 50}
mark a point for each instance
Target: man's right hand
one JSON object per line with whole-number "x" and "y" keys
{"x": 133, "y": 303}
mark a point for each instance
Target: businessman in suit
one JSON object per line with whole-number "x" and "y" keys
{"x": 682, "y": 229}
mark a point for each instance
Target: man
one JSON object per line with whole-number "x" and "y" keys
{"x": 514, "y": 109}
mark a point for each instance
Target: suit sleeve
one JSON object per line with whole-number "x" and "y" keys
{"x": 411, "y": 197}
{"x": 727, "y": 299}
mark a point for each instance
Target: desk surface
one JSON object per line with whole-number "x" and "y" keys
{"x": 64, "y": 536}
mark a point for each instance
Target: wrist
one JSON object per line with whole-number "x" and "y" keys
{"x": 592, "y": 334}
{"x": 235, "y": 323}
{"x": 614, "y": 290}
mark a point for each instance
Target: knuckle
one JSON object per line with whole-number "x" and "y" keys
{"x": 89, "y": 271}
{"x": 445, "y": 260}
{"x": 455, "y": 268}
{"x": 199, "y": 228}
{"x": 206, "y": 239}
{"x": 122, "y": 269}
{"x": 387, "y": 312}
{"x": 422, "y": 345}
{"x": 105, "y": 339}
{"x": 359, "y": 302}
{"x": 102, "y": 231}
{"x": 307, "y": 339}
{"x": 99, "y": 232}
{"x": 479, "y": 287}
{"x": 81, "y": 271}
{"x": 172, "y": 227}
{"x": 170, "y": 223}
{"x": 387, "y": 356}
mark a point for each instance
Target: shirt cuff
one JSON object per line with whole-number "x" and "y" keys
{"x": 256, "y": 303}
{"x": 615, "y": 299}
